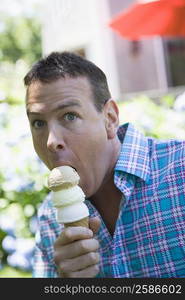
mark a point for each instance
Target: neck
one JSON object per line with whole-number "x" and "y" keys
{"x": 107, "y": 198}
{"x": 107, "y": 202}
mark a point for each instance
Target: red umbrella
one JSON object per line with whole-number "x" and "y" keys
{"x": 149, "y": 18}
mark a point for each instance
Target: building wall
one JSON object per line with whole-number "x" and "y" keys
{"x": 83, "y": 25}
{"x": 140, "y": 64}
{"x": 73, "y": 25}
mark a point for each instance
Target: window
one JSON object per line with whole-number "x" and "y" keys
{"x": 175, "y": 60}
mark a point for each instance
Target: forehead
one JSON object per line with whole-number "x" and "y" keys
{"x": 62, "y": 87}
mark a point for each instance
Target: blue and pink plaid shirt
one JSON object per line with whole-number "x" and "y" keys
{"x": 149, "y": 238}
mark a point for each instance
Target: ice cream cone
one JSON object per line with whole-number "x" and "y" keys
{"x": 83, "y": 222}
{"x": 68, "y": 197}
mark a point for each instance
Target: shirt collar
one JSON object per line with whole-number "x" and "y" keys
{"x": 134, "y": 155}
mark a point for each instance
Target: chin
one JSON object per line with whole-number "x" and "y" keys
{"x": 86, "y": 191}
{"x": 90, "y": 193}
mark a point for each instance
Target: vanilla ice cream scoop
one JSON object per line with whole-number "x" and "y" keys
{"x": 68, "y": 197}
{"x": 62, "y": 177}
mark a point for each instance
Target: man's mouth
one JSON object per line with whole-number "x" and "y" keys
{"x": 59, "y": 164}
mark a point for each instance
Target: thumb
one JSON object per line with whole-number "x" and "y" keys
{"x": 94, "y": 224}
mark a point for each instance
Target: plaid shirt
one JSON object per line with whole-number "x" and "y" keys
{"x": 149, "y": 238}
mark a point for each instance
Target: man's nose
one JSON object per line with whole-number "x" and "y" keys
{"x": 55, "y": 140}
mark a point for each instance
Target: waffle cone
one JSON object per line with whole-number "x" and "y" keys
{"x": 83, "y": 222}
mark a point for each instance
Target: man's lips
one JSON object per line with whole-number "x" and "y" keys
{"x": 63, "y": 163}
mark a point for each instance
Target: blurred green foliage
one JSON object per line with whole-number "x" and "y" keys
{"x": 12, "y": 272}
{"x": 21, "y": 190}
{"x": 20, "y": 39}
{"x": 20, "y": 47}
{"x": 156, "y": 118}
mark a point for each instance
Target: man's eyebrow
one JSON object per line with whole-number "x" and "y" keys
{"x": 59, "y": 107}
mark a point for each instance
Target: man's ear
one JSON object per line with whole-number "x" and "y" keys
{"x": 111, "y": 113}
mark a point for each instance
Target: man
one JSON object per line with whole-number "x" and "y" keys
{"x": 134, "y": 185}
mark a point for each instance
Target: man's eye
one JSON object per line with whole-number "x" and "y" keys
{"x": 37, "y": 124}
{"x": 70, "y": 117}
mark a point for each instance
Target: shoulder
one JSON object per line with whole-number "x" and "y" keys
{"x": 174, "y": 149}
{"x": 167, "y": 158}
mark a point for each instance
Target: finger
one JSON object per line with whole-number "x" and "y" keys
{"x": 80, "y": 262}
{"x": 89, "y": 272}
{"x": 94, "y": 224}
{"x": 72, "y": 234}
{"x": 75, "y": 249}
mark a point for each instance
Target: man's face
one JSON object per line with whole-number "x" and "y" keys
{"x": 68, "y": 130}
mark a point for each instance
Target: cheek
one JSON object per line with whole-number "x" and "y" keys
{"x": 94, "y": 142}
{"x": 38, "y": 146}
